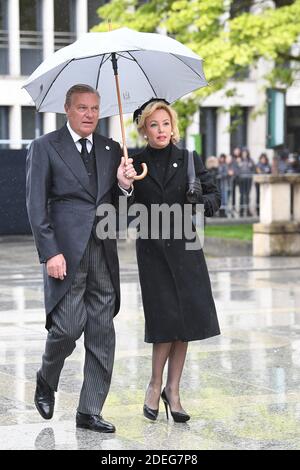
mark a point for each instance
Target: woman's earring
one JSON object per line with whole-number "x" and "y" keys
{"x": 145, "y": 137}
{"x": 172, "y": 133}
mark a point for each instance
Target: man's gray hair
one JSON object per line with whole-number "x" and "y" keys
{"x": 79, "y": 88}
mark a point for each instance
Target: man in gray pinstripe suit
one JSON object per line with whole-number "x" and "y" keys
{"x": 70, "y": 172}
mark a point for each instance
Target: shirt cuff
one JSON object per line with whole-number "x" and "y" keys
{"x": 127, "y": 192}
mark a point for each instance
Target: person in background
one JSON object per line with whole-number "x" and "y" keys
{"x": 283, "y": 161}
{"x": 246, "y": 170}
{"x": 294, "y": 164}
{"x": 223, "y": 182}
{"x": 263, "y": 167}
{"x": 233, "y": 171}
{"x": 211, "y": 164}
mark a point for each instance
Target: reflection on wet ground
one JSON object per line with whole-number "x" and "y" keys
{"x": 242, "y": 388}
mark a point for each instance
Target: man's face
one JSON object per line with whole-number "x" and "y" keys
{"x": 83, "y": 113}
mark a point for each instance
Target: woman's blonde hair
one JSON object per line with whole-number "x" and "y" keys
{"x": 150, "y": 108}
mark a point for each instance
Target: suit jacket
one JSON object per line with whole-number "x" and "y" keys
{"x": 61, "y": 204}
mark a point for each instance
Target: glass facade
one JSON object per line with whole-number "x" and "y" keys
{"x": 60, "y": 120}
{"x": 93, "y": 18}
{"x": 31, "y": 41}
{"x": 208, "y": 132}
{"x": 3, "y": 37}
{"x": 103, "y": 126}
{"x": 64, "y": 23}
{"x": 4, "y": 126}
{"x": 293, "y": 128}
{"x": 238, "y": 125}
{"x": 32, "y": 124}
{"x": 238, "y": 7}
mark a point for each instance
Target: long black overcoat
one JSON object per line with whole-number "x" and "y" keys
{"x": 176, "y": 290}
{"x": 62, "y": 206}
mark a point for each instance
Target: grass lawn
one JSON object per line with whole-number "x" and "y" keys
{"x": 239, "y": 232}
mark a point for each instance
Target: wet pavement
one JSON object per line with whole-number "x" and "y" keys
{"x": 241, "y": 388}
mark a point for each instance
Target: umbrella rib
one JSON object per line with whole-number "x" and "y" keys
{"x": 98, "y": 74}
{"x": 187, "y": 65}
{"x": 53, "y": 82}
{"x": 124, "y": 56}
{"x": 134, "y": 59}
{"x": 107, "y": 58}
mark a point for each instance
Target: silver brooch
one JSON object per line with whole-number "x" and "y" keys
{"x": 175, "y": 165}
{"x": 107, "y": 147}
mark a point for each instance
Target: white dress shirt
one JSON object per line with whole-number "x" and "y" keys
{"x": 76, "y": 137}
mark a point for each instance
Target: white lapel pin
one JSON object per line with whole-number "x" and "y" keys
{"x": 107, "y": 147}
{"x": 175, "y": 165}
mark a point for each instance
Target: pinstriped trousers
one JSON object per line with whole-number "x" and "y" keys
{"x": 87, "y": 307}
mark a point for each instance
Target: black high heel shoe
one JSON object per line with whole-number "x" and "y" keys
{"x": 150, "y": 413}
{"x": 178, "y": 417}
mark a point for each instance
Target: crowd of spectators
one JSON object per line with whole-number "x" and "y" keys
{"x": 234, "y": 176}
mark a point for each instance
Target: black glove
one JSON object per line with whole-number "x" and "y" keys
{"x": 194, "y": 193}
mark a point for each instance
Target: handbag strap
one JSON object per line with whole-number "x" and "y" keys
{"x": 191, "y": 173}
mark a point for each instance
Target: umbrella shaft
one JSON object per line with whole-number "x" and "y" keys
{"x": 114, "y": 63}
{"x": 121, "y": 118}
{"x": 115, "y": 69}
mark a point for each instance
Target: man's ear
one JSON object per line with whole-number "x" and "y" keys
{"x": 66, "y": 108}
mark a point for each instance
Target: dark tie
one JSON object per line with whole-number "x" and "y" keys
{"x": 86, "y": 156}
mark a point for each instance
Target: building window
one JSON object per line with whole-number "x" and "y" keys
{"x": 64, "y": 23}
{"x": 93, "y": 18}
{"x": 103, "y": 127}
{"x": 3, "y": 37}
{"x": 238, "y": 128}
{"x": 31, "y": 39}
{"x": 243, "y": 73}
{"x": 283, "y": 3}
{"x": 238, "y": 7}
{"x": 4, "y": 126}
{"x": 208, "y": 131}
{"x": 293, "y": 128}
{"x": 61, "y": 120}
{"x": 32, "y": 124}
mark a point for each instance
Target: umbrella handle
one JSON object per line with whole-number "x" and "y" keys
{"x": 144, "y": 166}
{"x": 143, "y": 174}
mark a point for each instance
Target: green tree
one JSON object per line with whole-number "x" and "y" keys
{"x": 230, "y": 35}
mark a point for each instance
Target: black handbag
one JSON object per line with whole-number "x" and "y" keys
{"x": 194, "y": 194}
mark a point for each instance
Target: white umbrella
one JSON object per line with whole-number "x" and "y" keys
{"x": 150, "y": 65}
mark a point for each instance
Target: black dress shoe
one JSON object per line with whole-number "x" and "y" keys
{"x": 44, "y": 397}
{"x": 93, "y": 422}
{"x": 150, "y": 413}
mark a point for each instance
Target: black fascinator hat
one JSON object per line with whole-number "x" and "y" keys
{"x": 138, "y": 112}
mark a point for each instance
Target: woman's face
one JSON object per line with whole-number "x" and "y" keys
{"x": 237, "y": 152}
{"x": 263, "y": 160}
{"x": 158, "y": 129}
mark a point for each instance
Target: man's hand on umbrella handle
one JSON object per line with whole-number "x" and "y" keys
{"x": 57, "y": 267}
{"x": 126, "y": 173}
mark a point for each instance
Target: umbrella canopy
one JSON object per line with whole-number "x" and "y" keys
{"x": 149, "y": 65}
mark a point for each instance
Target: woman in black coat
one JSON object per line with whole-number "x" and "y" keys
{"x": 176, "y": 291}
